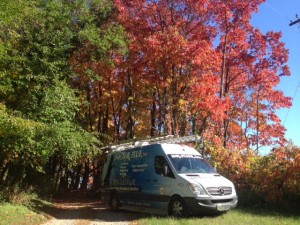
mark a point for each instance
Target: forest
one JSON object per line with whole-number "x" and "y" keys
{"x": 76, "y": 75}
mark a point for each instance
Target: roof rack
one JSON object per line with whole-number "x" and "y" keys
{"x": 170, "y": 139}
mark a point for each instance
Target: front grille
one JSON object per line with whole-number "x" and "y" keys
{"x": 219, "y": 191}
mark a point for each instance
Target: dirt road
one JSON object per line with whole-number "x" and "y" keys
{"x": 82, "y": 211}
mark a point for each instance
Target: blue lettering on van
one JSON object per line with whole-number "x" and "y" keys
{"x": 127, "y": 156}
{"x": 139, "y": 167}
{"x": 181, "y": 156}
{"x": 126, "y": 188}
{"x": 124, "y": 182}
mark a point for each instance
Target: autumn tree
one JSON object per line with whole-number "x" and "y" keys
{"x": 101, "y": 38}
{"x": 168, "y": 44}
{"x": 252, "y": 64}
{"x": 200, "y": 63}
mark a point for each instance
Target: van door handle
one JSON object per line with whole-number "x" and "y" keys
{"x": 155, "y": 180}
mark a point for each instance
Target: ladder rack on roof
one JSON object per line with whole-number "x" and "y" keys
{"x": 170, "y": 139}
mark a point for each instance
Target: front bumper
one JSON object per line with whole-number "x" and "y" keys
{"x": 198, "y": 206}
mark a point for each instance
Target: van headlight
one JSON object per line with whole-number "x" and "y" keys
{"x": 197, "y": 189}
{"x": 233, "y": 190}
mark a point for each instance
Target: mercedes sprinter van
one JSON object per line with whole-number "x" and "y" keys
{"x": 166, "y": 179}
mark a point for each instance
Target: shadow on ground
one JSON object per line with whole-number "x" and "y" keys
{"x": 82, "y": 206}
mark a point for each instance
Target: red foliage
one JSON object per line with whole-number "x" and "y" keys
{"x": 191, "y": 66}
{"x": 275, "y": 177}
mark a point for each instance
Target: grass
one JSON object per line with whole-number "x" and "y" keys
{"x": 21, "y": 209}
{"x": 251, "y": 210}
{"x": 234, "y": 217}
{"x": 16, "y": 214}
{"x": 248, "y": 212}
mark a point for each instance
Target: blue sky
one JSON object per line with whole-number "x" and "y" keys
{"x": 276, "y": 15}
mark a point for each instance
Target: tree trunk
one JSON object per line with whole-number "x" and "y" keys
{"x": 223, "y": 69}
{"x": 116, "y": 117}
{"x": 4, "y": 173}
{"x": 130, "y": 120}
{"x": 105, "y": 119}
{"x": 153, "y": 117}
{"x": 85, "y": 177}
{"x": 57, "y": 178}
{"x": 77, "y": 177}
{"x": 257, "y": 121}
{"x": 90, "y": 117}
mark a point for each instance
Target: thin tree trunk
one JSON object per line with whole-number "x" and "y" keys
{"x": 89, "y": 119}
{"x": 225, "y": 86}
{"x": 165, "y": 111}
{"x": 85, "y": 177}
{"x": 77, "y": 177}
{"x": 116, "y": 118}
{"x": 153, "y": 116}
{"x": 100, "y": 113}
{"x": 224, "y": 60}
{"x": 257, "y": 121}
{"x": 57, "y": 178}
{"x": 130, "y": 122}
{"x": 4, "y": 173}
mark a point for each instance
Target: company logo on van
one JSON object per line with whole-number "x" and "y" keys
{"x": 221, "y": 191}
{"x": 129, "y": 155}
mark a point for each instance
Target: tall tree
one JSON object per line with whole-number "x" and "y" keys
{"x": 93, "y": 64}
{"x": 165, "y": 38}
{"x": 203, "y": 59}
{"x": 245, "y": 53}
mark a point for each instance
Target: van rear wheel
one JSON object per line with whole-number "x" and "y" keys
{"x": 177, "y": 207}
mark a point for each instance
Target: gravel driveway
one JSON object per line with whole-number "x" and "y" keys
{"x": 88, "y": 212}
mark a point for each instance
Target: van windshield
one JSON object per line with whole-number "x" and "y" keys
{"x": 190, "y": 164}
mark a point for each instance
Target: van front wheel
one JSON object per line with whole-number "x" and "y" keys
{"x": 177, "y": 207}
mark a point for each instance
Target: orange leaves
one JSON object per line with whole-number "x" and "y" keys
{"x": 297, "y": 161}
{"x": 274, "y": 177}
{"x": 165, "y": 39}
{"x": 247, "y": 74}
{"x": 206, "y": 101}
{"x": 193, "y": 60}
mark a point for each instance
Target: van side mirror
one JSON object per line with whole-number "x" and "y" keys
{"x": 215, "y": 169}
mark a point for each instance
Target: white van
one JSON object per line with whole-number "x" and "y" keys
{"x": 165, "y": 179}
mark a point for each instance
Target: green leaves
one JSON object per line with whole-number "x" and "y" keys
{"x": 20, "y": 139}
{"x": 64, "y": 137}
{"x": 59, "y": 103}
{"x": 13, "y": 125}
{"x": 38, "y": 107}
{"x": 70, "y": 142}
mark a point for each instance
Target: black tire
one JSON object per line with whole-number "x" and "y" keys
{"x": 114, "y": 202}
{"x": 177, "y": 208}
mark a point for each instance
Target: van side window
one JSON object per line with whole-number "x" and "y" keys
{"x": 162, "y": 168}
